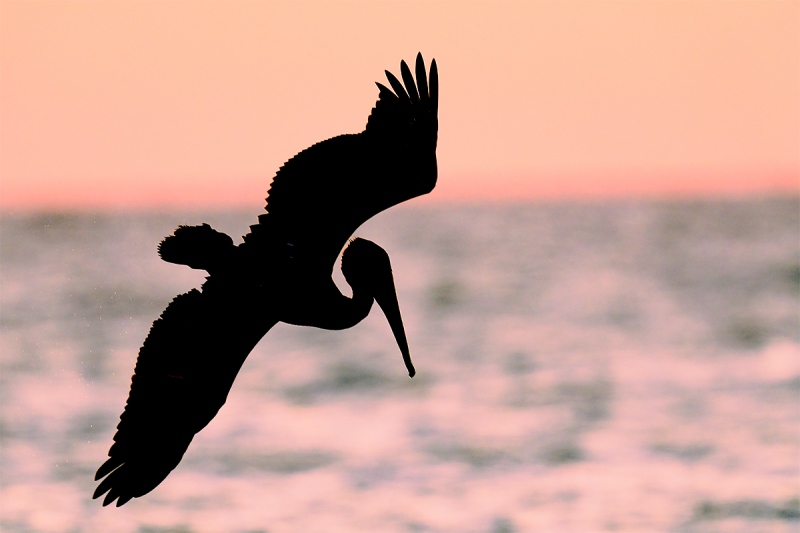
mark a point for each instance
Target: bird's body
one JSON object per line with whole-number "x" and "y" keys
{"x": 280, "y": 273}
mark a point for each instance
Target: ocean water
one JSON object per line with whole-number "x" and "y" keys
{"x": 582, "y": 367}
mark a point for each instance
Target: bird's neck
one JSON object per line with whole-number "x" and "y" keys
{"x": 326, "y": 307}
{"x": 355, "y": 309}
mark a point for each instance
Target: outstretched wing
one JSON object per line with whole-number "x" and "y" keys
{"x": 320, "y": 196}
{"x": 183, "y": 374}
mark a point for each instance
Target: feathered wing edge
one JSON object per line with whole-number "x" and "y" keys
{"x": 423, "y": 91}
{"x": 412, "y": 99}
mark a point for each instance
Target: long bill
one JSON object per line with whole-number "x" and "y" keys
{"x": 386, "y": 296}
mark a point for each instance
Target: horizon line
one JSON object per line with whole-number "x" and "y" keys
{"x": 205, "y": 193}
{"x": 584, "y": 197}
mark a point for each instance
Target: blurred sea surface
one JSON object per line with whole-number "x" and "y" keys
{"x": 620, "y": 366}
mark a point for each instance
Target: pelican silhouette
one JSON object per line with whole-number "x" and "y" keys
{"x": 281, "y": 272}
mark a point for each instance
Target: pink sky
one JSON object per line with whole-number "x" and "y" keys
{"x": 131, "y": 104}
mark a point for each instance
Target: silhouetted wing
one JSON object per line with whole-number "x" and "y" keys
{"x": 183, "y": 374}
{"x": 320, "y": 196}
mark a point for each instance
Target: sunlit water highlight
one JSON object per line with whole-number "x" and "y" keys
{"x": 581, "y": 367}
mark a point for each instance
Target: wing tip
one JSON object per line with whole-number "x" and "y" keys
{"x": 101, "y": 489}
{"x": 110, "y": 497}
{"x": 111, "y": 464}
{"x": 408, "y": 80}
{"x": 384, "y": 90}
{"x": 424, "y": 87}
{"x": 397, "y": 86}
{"x": 434, "y": 84}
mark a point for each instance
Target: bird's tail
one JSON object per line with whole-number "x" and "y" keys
{"x": 200, "y": 247}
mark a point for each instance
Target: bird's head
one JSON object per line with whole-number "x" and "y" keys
{"x": 366, "y": 267}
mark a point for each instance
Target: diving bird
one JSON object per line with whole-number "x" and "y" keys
{"x": 281, "y": 272}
